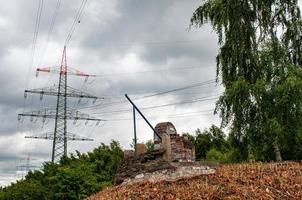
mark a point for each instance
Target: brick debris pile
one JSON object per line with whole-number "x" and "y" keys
{"x": 236, "y": 181}
{"x": 145, "y": 163}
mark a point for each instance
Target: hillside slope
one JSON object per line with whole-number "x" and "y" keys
{"x": 237, "y": 181}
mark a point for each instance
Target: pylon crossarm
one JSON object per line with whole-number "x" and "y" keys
{"x": 67, "y": 70}
{"x": 71, "y": 114}
{"x": 62, "y": 117}
{"x": 74, "y": 137}
{"x": 53, "y": 91}
{"x": 45, "y": 136}
{"x": 49, "y": 136}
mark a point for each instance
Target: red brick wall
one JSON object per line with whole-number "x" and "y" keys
{"x": 178, "y": 149}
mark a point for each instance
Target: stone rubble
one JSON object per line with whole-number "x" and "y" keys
{"x": 171, "y": 175}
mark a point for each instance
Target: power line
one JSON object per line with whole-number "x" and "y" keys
{"x": 153, "y": 71}
{"x": 52, "y": 24}
{"x": 120, "y": 96}
{"x": 194, "y": 112}
{"x": 178, "y": 89}
{"x": 33, "y": 47}
{"x": 199, "y": 84}
{"x": 177, "y": 115}
{"x": 106, "y": 105}
{"x": 195, "y": 100}
{"x": 76, "y": 21}
{"x": 154, "y": 43}
{"x": 53, "y": 19}
{"x": 169, "y": 42}
{"x": 187, "y": 116}
{"x": 156, "y": 94}
{"x": 37, "y": 26}
{"x": 35, "y": 38}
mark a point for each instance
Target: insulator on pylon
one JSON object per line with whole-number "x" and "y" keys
{"x": 79, "y": 101}
{"x": 97, "y": 123}
{"x": 44, "y": 119}
{"x": 94, "y": 100}
{"x": 41, "y": 96}
{"x": 37, "y": 73}
{"x": 19, "y": 117}
{"x": 86, "y": 122}
{"x": 74, "y": 122}
{"x": 86, "y": 79}
{"x": 31, "y": 118}
{"x": 25, "y": 95}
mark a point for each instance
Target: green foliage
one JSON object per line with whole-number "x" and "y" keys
{"x": 149, "y": 145}
{"x": 216, "y": 156}
{"x": 1, "y": 193}
{"x": 228, "y": 156}
{"x": 259, "y": 61}
{"x": 218, "y": 138}
{"x": 189, "y": 137}
{"x": 72, "y": 182}
{"x": 75, "y": 177}
{"x": 214, "y": 138}
{"x": 26, "y": 190}
{"x": 203, "y": 144}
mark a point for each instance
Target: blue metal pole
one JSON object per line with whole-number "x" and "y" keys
{"x": 134, "y": 126}
{"x": 134, "y": 107}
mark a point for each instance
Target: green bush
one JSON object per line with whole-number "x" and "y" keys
{"x": 149, "y": 145}
{"x": 75, "y": 177}
{"x": 214, "y": 155}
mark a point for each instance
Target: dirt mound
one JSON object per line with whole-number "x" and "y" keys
{"x": 236, "y": 181}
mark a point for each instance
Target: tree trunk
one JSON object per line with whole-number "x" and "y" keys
{"x": 277, "y": 153}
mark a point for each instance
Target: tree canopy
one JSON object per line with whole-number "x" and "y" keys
{"x": 75, "y": 177}
{"x": 259, "y": 63}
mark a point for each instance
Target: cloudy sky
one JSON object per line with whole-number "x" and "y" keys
{"x": 135, "y": 47}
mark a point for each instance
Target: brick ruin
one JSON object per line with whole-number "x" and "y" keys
{"x": 177, "y": 148}
{"x": 169, "y": 153}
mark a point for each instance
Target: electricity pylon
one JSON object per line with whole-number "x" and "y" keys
{"x": 23, "y": 169}
{"x": 61, "y": 112}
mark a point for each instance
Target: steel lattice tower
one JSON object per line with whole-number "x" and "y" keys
{"x": 61, "y": 112}
{"x": 59, "y": 146}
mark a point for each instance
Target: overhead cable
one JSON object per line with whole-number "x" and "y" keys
{"x": 199, "y": 84}
{"x": 76, "y": 21}
{"x": 153, "y": 71}
{"x": 35, "y": 37}
{"x": 179, "y": 115}
{"x": 190, "y": 101}
{"x": 52, "y": 24}
{"x": 178, "y": 89}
